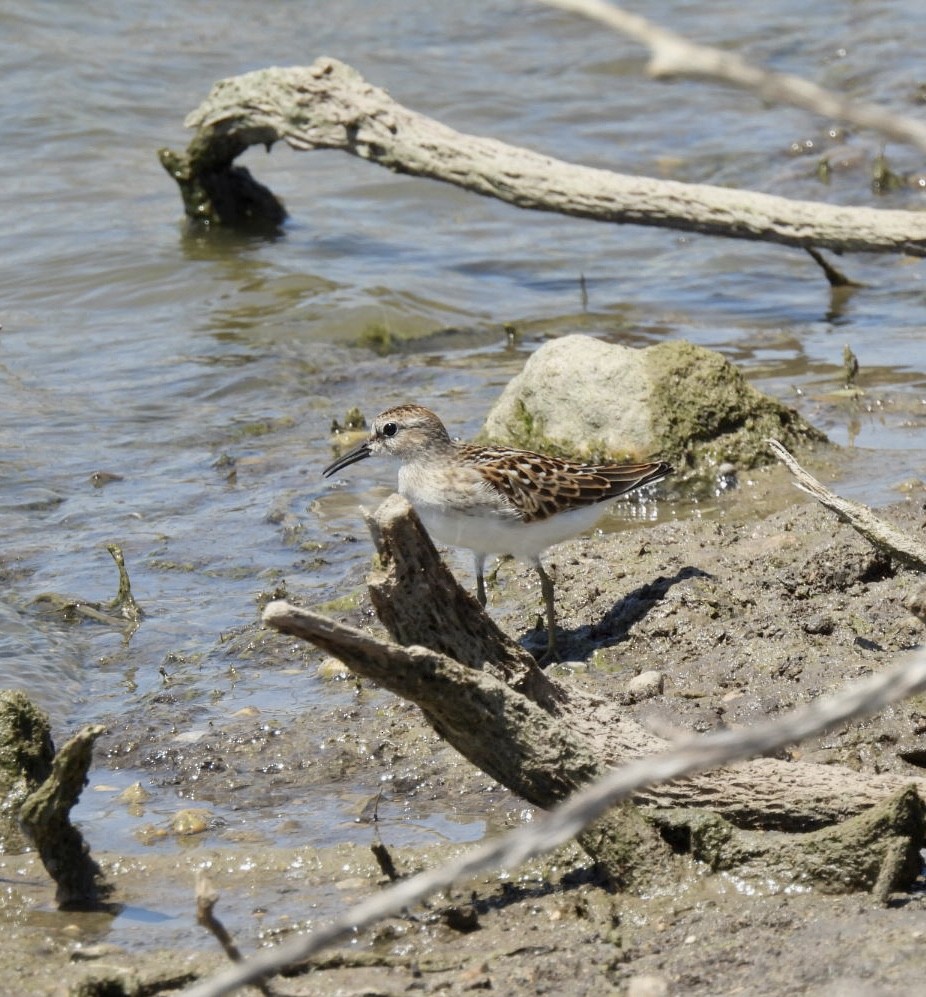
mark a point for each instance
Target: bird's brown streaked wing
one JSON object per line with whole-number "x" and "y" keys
{"x": 539, "y": 486}
{"x": 625, "y": 477}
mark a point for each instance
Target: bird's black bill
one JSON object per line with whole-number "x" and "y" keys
{"x": 351, "y": 457}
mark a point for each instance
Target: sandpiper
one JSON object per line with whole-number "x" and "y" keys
{"x": 495, "y": 500}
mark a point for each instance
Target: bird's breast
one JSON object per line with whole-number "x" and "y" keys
{"x": 453, "y": 488}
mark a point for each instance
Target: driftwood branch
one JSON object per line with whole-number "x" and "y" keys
{"x": 877, "y": 851}
{"x": 501, "y": 731}
{"x": 671, "y": 55}
{"x": 695, "y": 755}
{"x": 878, "y": 532}
{"x": 498, "y": 729}
{"x": 328, "y": 105}
{"x": 542, "y": 757}
{"x": 765, "y": 793}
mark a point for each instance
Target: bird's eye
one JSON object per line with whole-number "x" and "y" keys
{"x": 390, "y": 429}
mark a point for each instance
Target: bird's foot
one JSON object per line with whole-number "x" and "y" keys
{"x": 551, "y": 655}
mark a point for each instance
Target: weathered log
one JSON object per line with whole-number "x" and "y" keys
{"x": 764, "y": 793}
{"x": 500, "y": 730}
{"x": 544, "y": 759}
{"x": 875, "y": 851}
{"x": 328, "y": 105}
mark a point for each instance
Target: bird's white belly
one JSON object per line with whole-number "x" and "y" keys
{"x": 458, "y": 508}
{"x": 497, "y": 535}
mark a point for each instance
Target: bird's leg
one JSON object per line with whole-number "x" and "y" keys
{"x": 546, "y": 590}
{"x": 480, "y": 560}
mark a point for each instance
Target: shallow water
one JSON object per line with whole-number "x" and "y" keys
{"x": 203, "y": 370}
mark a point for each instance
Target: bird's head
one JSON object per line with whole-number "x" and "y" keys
{"x": 404, "y": 432}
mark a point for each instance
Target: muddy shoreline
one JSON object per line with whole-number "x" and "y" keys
{"x": 742, "y": 616}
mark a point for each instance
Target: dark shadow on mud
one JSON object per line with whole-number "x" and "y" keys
{"x": 614, "y": 627}
{"x": 463, "y": 915}
{"x": 616, "y": 624}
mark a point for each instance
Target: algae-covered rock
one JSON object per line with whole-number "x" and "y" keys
{"x": 705, "y": 410}
{"x": 582, "y": 397}
{"x": 26, "y": 754}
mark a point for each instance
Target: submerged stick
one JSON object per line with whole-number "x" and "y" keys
{"x": 124, "y": 601}
{"x": 207, "y": 896}
{"x": 121, "y": 611}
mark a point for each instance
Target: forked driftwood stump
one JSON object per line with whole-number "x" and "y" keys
{"x": 486, "y": 696}
{"x": 45, "y": 817}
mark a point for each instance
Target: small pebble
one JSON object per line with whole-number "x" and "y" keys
{"x": 647, "y": 986}
{"x": 567, "y": 668}
{"x": 916, "y": 603}
{"x": 352, "y": 883}
{"x": 820, "y": 624}
{"x": 136, "y": 793}
{"x": 101, "y": 478}
{"x": 726, "y": 477}
{"x": 332, "y": 668}
{"x": 190, "y": 821}
{"x": 101, "y": 950}
{"x": 646, "y": 685}
{"x": 189, "y": 736}
{"x": 148, "y": 834}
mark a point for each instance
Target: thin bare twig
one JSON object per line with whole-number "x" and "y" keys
{"x": 673, "y": 55}
{"x": 876, "y": 531}
{"x": 560, "y": 825}
{"x": 206, "y": 899}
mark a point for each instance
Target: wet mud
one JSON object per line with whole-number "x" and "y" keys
{"x": 740, "y": 615}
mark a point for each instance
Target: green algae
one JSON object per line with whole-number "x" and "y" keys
{"x": 26, "y": 754}
{"x": 706, "y": 413}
